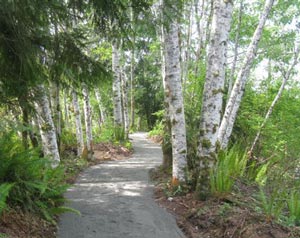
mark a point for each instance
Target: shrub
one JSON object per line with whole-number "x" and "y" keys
{"x": 36, "y": 186}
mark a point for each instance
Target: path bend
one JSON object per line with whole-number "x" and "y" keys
{"x": 116, "y": 199}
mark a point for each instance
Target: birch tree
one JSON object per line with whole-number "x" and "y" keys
{"x": 87, "y": 117}
{"x": 124, "y": 88}
{"x": 132, "y": 65}
{"x": 235, "y": 50}
{"x": 240, "y": 83}
{"x": 117, "y": 93}
{"x": 100, "y": 104}
{"x": 66, "y": 110}
{"x": 213, "y": 91}
{"x": 56, "y": 108}
{"x": 166, "y": 143}
{"x": 117, "y": 101}
{"x": 46, "y": 126}
{"x": 173, "y": 90}
{"x": 78, "y": 125}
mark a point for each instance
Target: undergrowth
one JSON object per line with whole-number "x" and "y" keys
{"x": 28, "y": 181}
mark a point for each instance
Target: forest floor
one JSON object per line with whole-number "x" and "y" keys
{"x": 234, "y": 215}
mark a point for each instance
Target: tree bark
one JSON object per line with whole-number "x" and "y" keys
{"x": 87, "y": 118}
{"x": 56, "y": 109}
{"x": 78, "y": 125}
{"x": 213, "y": 92}
{"x": 166, "y": 143}
{"x": 66, "y": 110}
{"x": 173, "y": 90}
{"x": 101, "y": 109}
{"x": 117, "y": 101}
{"x": 132, "y": 65}
{"x": 240, "y": 83}
{"x": 124, "y": 86}
{"x": 46, "y": 126}
{"x": 235, "y": 50}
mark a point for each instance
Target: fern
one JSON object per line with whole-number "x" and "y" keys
{"x": 36, "y": 186}
{"x": 293, "y": 204}
{"x": 4, "y": 192}
{"x": 231, "y": 164}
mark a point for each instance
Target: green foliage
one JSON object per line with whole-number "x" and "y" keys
{"x": 158, "y": 129}
{"x": 4, "y": 192}
{"x": 149, "y": 90}
{"x": 119, "y": 133}
{"x": 271, "y": 203}
{"x": 231, "y": 165}
{"x": 280, "y": 136}
{"x": 293, "y": 204}
{"x": 36, "y": 186}
{"x": 68, "y": 138}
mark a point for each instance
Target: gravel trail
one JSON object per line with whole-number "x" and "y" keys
{"x": 116, "y": 199}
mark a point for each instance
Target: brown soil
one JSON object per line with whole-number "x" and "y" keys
{"x": 108, "y": 151}
{"x": 18, "y": 224}
{"x": 229, "y": 217}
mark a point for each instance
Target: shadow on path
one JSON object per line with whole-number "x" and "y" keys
{"x": 116, "y": 199}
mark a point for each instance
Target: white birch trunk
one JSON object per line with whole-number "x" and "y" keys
{"x": 235, "y": 51}
{"x": 124, "y": 84}
{"x": 66, "y": 110}
{"x": 240, "y": 83}
{"x": 78, "y": 125}
{"x": 213, "y": 92}
{"x": 166, "y": 144}
{"x": 87, "y": 118}
{"x": 132, "y": 65}
{"x": 286, "y": 77}
{"x": 56, "y": 109}
{"x": 46, "y": 126}
{"x": 101, "y": 109}
{"x": 117, "y": 100}
{"x": 204, "y": 12}
{"x": 174, "y": 93}
{"x": 186, "y": 44}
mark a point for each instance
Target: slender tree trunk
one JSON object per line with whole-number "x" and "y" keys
{"x": 174, "y": 93}
{"x": 117, "y": 101}
{"x": 240, "y": 83}
{"x": 213, "y": 93}
{"x": 166, "y": 143}
{"x": 132, "y": 65}
{"x": 46, "y": 126}
{"x": 25, "y": 120}
{"x": 87, "y": 118}
{"x": 186, "y": 43}
{"x": 32, "y": 134}
{"x": 101, "y": 109}
{"x": 66, "y": 110}
{"x": 78, "y": 125}
{"x": 124, "y": 84}
{"x": 204, "y": 15}
{"x": 235, "y": 50}
{"x": 286, "y": 77}
{"x": 56, "y": 109}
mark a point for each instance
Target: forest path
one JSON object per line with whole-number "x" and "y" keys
{"x": 116, "y": 199}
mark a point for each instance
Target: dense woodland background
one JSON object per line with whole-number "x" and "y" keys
{"x": 217, "y": 80}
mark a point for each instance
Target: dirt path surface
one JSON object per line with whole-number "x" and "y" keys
{"x": 116, "y": 199}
